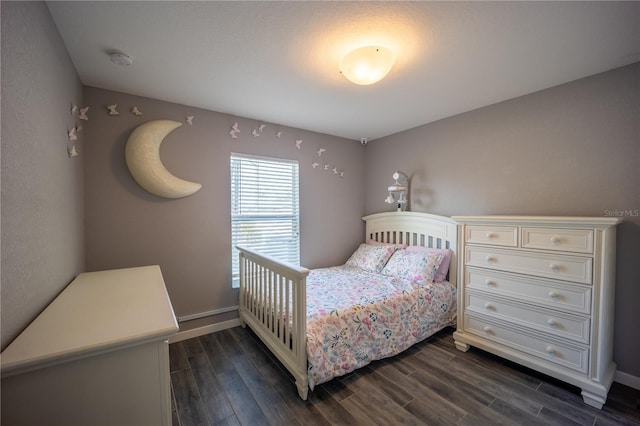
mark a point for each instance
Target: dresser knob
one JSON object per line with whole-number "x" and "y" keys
{"x": 551, "y": 351}
{"x": 552, "y": 323}
{"x": 554, "y": 268}
{"x": 491, "y": 236}
{"x": 554, "y": 295}
{"x": 556, "y": 240}
{"x": 490, "y": 283}
{"x": 488, "y": 329}
{"x": 489, "y": 307}
{"x": 490, "y": 259}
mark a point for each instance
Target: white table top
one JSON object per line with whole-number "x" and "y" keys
{"x": 97, "y": 312}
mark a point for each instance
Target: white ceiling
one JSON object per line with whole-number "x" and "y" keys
{"x": 277, "y": 61}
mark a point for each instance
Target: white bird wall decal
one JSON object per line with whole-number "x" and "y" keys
{"x": 72, "y": 134}
{"x": 190, "y": 120}
{"x": 135, "y": 111}
{"x": 320, "y": 151}
{"x": 83, "y": 113}
{"x": 113, "y": 109}
{"x": 298, "y": 143}
{"x": 234, "y": 131}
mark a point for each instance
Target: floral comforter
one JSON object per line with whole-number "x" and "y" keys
{"x": 355, "y": 317}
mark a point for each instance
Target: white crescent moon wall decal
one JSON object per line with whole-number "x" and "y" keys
{"x": 142, "y": 154}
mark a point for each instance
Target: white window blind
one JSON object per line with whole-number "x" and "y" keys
{"x": 264, "y": 208}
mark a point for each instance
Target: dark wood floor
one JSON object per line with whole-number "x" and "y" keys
{"x": 229, "y": 378}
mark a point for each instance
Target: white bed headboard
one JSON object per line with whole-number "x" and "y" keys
{"x": 415, "y": 229}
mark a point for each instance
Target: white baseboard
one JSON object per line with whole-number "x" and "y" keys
{"x": 207, "y": 314}
{"x": 627, "y": 379}
{"x": 201, "y": 331}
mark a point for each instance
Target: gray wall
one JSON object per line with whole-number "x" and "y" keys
{"x": 190, "y": 238}
{"x": 42, "y": 188}
{"x": 570, "y": 150}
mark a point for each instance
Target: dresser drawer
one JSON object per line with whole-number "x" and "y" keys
{"x": 567, "y": 240}
{"x": 570, "y": 268}
{"x": 562, "y": 325}
{"x": 574, "y": 357}
{"x": 552, "y": 294}
{"x": 492, "y": 235}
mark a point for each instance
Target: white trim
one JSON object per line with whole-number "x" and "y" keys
{"x": 207, "y": 313}
{"x": 264, "y": 157}
{"x": 201, "y": 331}
{"x": 627, "y": 379}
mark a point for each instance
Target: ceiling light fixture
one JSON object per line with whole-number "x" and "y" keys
{"x": 120, "y": 58}
{"x": 367, "y": 65}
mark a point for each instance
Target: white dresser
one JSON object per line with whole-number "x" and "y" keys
{"x": 97, "y": 355}
{"x": 540, "y": 291}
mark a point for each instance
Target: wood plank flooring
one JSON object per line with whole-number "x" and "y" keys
{"x": 230, "y": 378}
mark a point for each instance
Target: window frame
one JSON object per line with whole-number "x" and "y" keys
{"x": 268, "y": 200}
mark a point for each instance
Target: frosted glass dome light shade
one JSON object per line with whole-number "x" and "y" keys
{"x": 367, "y": 65}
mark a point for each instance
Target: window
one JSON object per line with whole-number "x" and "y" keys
{"x": 264, "y": 208}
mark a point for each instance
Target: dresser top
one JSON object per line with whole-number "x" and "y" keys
{"x": 579, "y": 221}
{"x": 97, "y": 312}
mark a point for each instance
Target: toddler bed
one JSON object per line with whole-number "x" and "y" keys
{"x": 391, "y": 294}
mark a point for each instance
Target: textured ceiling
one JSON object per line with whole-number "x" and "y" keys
{"x": 277, "y": 61}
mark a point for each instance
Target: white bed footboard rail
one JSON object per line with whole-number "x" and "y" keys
{"x": 273, "y": 301}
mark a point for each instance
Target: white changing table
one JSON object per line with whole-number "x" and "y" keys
{"x": 97, "y": 355}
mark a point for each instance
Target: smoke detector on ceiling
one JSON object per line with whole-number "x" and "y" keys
{"x": 120, "y": 58}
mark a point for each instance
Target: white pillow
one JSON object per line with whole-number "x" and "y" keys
{"x": 443, "y": 269}
{"x": 370, "y": 258}
{"x": 413, "y": 266}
